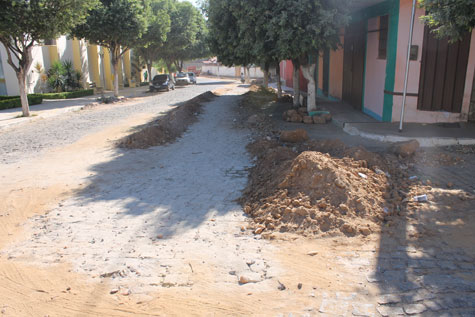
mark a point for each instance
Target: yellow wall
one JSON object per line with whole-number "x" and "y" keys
{"x": 53, "y": 53}
{"x": 76, "y": 55}
{"x": 128, "y": 68}
{"x": 93, "y": 57}
{"x": 107, "y": 70}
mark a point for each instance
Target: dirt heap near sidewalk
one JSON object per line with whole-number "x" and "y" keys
{"x": 168, "y": 128}
{"x": 319, "y": 188}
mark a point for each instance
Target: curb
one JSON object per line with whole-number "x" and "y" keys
{"x": 423, "y": 141}
{"x": 21, "y": 120}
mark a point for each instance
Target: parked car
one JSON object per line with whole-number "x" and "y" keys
{"x": 192, "y": 77}
{"x": 162, "y": 82}
{"x": 183, "y": 79}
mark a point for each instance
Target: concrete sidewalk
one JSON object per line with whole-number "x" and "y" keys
{"x": 357, "y": 123}
{"x": 54, "y": 107}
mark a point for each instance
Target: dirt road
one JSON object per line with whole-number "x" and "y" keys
{"x": 87, "y": 229}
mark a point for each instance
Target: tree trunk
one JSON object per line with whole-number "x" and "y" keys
{"x": 149, "y": 70}
{"x": 309, "y": 74}
{"x": 25, "y": 107}
{"x": 248, "y": 75}
{"x": 266, "y": 75}
{"x": 169, "y": 68}
{"x": 115, "y": 64}
{"x": 296, "y": 82}
{"x": 279, "y": 84}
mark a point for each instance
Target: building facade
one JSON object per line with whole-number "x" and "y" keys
{"x": 368, "y": 71}
{"x": 93, "y": 61}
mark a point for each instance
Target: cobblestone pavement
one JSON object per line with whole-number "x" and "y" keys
{"x": 29, "y": 139}
{"x": 463, "y": 178}
{"x": 401, "y": 282}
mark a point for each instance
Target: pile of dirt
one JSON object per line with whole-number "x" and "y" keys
{"x": 311, "y": 192}
{"x": 167, "y": 128}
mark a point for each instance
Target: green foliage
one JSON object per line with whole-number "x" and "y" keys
{"x": 24, "y": 23}
{"x": 244, "y": 32}
{"x": 8, "y": 102}
{"x": 63, "y": 77}
{"x": 188, "y": 27}
{"x": 227, "y": 38}
{"x": 449, "y": 18}
{"x": 68, "y": 94}
{"x": 117, "y": 25}
{"x": 55, "y": 76}
{"x": 156, "y": 33}
{"x": 114, "y": 24}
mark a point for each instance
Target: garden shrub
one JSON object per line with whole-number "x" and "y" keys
{"x": 8, "y": 102}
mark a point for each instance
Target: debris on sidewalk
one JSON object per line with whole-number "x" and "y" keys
{"x": 319, "y": 116}
{"x": 405, "y": 149}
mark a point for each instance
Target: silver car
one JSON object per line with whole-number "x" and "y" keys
{"x": 192, "y": 77}
{"x": 183, "y": 79}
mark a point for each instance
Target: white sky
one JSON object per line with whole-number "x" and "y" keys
{"x": 194, "y": 2}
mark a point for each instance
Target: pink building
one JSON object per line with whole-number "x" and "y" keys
{"x": 368, "y": 71}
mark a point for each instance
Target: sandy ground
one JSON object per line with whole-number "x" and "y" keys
{"x": 162, "y": 228}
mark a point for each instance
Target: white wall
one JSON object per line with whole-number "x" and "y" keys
{"x": 65, "y": 48}
{"x": 33, "y": 79}
{"x": 255, "y": 72}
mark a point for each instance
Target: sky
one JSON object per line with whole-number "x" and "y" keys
{"x": 195, "y": 2}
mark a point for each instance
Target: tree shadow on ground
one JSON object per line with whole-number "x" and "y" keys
{"x": 424, "y": 266}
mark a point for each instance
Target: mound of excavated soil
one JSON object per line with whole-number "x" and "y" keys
{"x": 168, "y": 128}
{"x": 313, "y": 193}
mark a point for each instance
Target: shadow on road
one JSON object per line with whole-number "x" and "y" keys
{"x": 179, "y": 185}
{"x": 423, "y": 264}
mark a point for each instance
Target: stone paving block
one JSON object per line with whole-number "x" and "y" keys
{"x": 333, "y": 307}
{"x": 419, "y": 295}
{"x": 412, "y": 309}
{"x": 387, "y": 311}
{"x": 363, "y": 310}
{"x": 466, "y": 266}
{"x": 373, "y": 278}
{"x": 389, "y": 299}
{"x": 433, "y": 305}
{"x": 447, "y": 265}
{"x": 427, "y": 263}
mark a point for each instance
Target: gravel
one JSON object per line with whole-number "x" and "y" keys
{"x": 30, "y": 139}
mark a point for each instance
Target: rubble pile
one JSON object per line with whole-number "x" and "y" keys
{"x": 320, "y": 116}
{"x": 321, "y": 188}
{"x": 167, "y": 128}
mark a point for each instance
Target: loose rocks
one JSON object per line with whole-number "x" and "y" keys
{"x": 294, "y": 136}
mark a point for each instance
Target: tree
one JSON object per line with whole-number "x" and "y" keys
{"x": 24, "y": 24}
{"x": 183, "y": 32}
{"x": 231, "y": 34}
{"x": 307, "y": 28}
{"x": 196, "y": 49}
{"x": 156, "y": 34}
{"x": 117, "y": 25}
{"x": 449, "y": 18}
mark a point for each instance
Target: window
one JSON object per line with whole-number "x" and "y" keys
{"x": 383, "y": 36}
